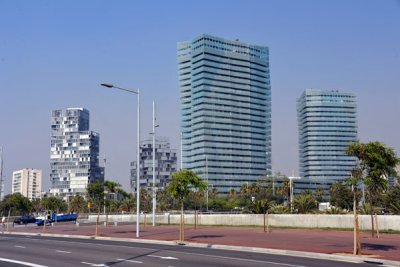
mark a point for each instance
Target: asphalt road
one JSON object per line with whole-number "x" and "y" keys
{"x": 39, "y": 251}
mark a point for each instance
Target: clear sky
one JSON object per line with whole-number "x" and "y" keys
{"x": 54, "y": 55}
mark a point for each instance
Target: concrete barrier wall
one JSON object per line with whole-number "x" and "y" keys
{"x": 386, "y": 222}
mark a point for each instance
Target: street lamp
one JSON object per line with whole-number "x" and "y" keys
{"x": 137, "y": 92}
{"x": 291, "y": 187}
{"x": 154, "y": 163}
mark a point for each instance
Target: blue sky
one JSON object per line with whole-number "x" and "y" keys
{"x": 54, "y": 54}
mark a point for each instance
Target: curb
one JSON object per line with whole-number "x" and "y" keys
{"x": 293, "y": 253}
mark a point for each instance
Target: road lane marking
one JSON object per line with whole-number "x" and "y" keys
{"x": 90, "y": 243}
{"x": 94, "y": 264}
{"x": 22, "y": 262}
{"x": 62, "y": 251}
{"x": 123, "y": 260}
{"x": 162, "y": 257}
{"x": 19, "y": 246}
{"x": 240, "y": 259}
{"x": 181, "y": 252}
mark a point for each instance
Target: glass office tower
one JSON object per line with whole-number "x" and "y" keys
{"x": 74, "y": 153}
{"x": 225, "y": 111}
{"x": 327, "y": 123}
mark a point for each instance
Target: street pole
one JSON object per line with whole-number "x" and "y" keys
{"x": 104, "y": 174}
{"x": 137, "y": 92}
{"x": 154, "y": 164}
{"x": 291, "y": 194}
{"x": 273, "y": 185}
{"x": 138, "y": 167}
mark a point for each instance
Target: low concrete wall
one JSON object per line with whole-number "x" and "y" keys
{"x": 386, "y": 222}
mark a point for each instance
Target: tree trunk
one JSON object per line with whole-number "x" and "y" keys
{"x": 195, "y": 219}
{"x": 264, "y": 221}
{"x": 357, "y": 241}
{"x": 358, "y": 237}
{"x": 377, "y": 227}
{"x": 97, "y": 223}
{"x": 372, "y": 224}
{"x": 182, "y": 235}
{"x": 8, "y": 218}
{"x": 44, "y": 222}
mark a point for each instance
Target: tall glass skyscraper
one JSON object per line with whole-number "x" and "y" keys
{"x": 327, "y": 122}
{"x": 225, "y": 110}
{"x": 74, "y": 152}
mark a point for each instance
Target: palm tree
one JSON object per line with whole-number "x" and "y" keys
{"x": 305, "y": 203}
{"x": 280, "y": 209}
{"x": 128, "y": 204}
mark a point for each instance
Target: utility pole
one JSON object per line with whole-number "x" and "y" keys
{"x": 104, "y": 173}
{"x": 154, "y": 164}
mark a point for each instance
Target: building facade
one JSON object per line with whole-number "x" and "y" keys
{"x": 327, "y": 124}
{"x": 74, "y": 152}
{"x": 225, "y": 110}
{"x": 393, "y": 181}
{"x": 27, "y": 182}
{"x": 165, "y": 164}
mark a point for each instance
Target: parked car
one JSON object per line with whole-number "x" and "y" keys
{"x": 25, "y": 219}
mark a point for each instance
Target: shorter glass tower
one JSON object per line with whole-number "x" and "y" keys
{"x": 327, "y": 122}
{"x": 74, "y": 152}
{"x": 165, "y": 164}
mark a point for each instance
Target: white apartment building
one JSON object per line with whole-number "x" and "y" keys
{"x": 28, "y": 182}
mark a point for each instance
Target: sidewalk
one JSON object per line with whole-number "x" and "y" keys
{"x": 320, "y": 241}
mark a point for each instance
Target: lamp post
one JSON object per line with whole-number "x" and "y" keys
{"x": 137, "y": 92}
{"x": 291, "y": 190}
{"x": 154, "y": 163}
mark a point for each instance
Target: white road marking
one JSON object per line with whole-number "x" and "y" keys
{"x": 22, "y": 262}
{"x": 162, "y": 257}
{"x": 94, "y": 264}
{"x": 19, "y": 246}
{"x": 239, "y": 259}
{"x": 181, "y": 252}
{"x": 62, "y": 251}
{"x": 122, "y": 260}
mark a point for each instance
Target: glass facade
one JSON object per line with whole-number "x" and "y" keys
{"x": 165, "y": 164}
{"x": 74, "y": 152}
{"x": 225, "y": 110}
{"x": 327, "y": 124}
